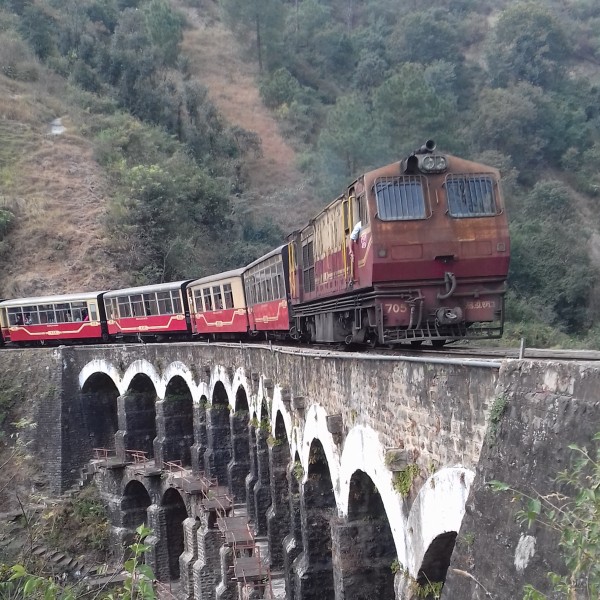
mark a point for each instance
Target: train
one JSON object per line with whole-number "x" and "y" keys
{"x": 415, "y": 251}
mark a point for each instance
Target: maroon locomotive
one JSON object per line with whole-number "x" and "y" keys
{"x": 416, "y": 250}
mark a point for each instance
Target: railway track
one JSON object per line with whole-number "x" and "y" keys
{"x": 451, "y": 353}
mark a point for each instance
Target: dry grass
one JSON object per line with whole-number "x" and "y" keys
{"x": 218, "y": 61}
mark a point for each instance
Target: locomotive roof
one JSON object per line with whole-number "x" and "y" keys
{"x": 145, "y": 289}
{"x": 265, "y": 257}
{"x": 50, "y": 299}
{"x": 219, "y": 276}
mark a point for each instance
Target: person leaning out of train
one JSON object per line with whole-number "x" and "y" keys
{"x": 354, "y": 238}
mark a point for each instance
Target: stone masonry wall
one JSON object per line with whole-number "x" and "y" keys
{"x": 547, "y": 406}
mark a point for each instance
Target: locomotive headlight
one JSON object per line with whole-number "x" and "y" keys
{"x": 428, "y": 163}
{"x": 433, "y": 163}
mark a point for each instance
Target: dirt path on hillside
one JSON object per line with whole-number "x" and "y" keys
{"x": 217, "y": 61}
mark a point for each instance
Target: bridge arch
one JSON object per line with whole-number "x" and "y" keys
{"x": 142, "y": 366}
{"x": 100, "y": 366}
{"x": 99, "y": 396}
{"x": 239, "y": 466}
{"x": 316, "y": 429}
{"x": 436, "y": 513}
{"x": 137, "y": 416}
{"x": 218, "y": 452}
{"x": 175, "y": 423}
{"x": 175, "y": 513}
{"x": 134, "y": 505}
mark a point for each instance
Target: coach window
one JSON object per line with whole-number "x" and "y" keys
{"x": 228, "y": 295}
{"x": 93, "y": 311}
{"x": 198, "y": 300}
{"x": 46, "y": 313}
{"x": 124, "y": 308}
{"x": 79, "y": 310}
{"x": 114, "y": 308}
{"x": 250, "y": 291}
{"x": 218, "y": 297}
{"x": 208, "y": 305}
{"x": 150, "y": 304}
{"x": 137, "y": 305}
{"x": 165, "y": 306}
{"x": 176, "y": 297}
{"x": 31, "y": 315}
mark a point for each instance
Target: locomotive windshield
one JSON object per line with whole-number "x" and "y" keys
{"x": 400, "y": 198}
{"x": 471, "y": 196}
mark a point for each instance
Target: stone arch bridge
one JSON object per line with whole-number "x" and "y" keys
{"x": 348, "y": 473}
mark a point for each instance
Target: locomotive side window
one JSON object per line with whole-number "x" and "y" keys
{"x": 471, "y": 196}
{"x": 400, "y": 198}
{"x": 308, "y": 264}
{"x": 363, "y": 210}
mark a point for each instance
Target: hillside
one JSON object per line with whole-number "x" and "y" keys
{"x": 56, "y": 190}
{"x": 59, "y": 192}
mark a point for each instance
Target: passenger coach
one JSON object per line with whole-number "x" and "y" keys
{"x": 47, "y": 319}
{"x": 160, "y": 311}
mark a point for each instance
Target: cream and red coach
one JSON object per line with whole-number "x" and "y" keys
{"x": 217, "y": 305}
{"x": 159, "y": 311}
{"x": 46, "y": 319}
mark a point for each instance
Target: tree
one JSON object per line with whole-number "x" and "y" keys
{"x": 528, "y": 44}
{"x": 346, "y": 143}
{"x": 408, "y": 110}
{"x": 550, "y": 262}
{"x": 265, "y": 18}
{"x": 164, "y": 26}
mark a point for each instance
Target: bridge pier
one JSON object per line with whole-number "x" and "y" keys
{"x": 239, "y": 467}
{"x": 189, "y": 557}
{"x": 206, "y": 569}
{"x": 278, "y": 519}
{"x": 252, "y": 477}
{"x": 137, "y": 422}
{"x": 292, "y": 543}
{"x": 262, "y": 489}
{"x": 218, "y": 452}
{"x": 200, "y": 444}
{"x": 157, "y": 557}
{"x": 227, "y": 587}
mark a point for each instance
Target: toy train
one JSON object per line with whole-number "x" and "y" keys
{"x": 414, "y": 251}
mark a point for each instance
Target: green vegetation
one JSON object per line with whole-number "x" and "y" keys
{"x": 496, "y": 412}
{"x": 403, "y": 479}
{"x": 575, "y": 518}
{"x": 17, "y": 583}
